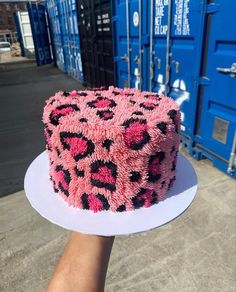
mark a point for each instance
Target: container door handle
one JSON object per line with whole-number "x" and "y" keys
{"x": 136, "y": 59}
{"x": 124, "y": 58}
{"x": 231, "y": 70}
{"x": 176, "y": 66}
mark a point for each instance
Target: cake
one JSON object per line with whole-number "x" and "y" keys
{"x": 111, "y": 149}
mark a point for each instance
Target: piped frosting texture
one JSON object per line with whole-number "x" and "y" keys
{"x": 112, "y": 149}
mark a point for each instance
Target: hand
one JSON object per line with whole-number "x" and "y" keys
{"x": 83, "y": 264}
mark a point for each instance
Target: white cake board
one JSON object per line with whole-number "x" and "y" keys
{"x": 50, "y": 205}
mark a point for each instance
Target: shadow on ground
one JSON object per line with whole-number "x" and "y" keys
{"x": 24, "y": 89}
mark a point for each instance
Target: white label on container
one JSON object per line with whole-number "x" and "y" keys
{"x": 160, "y": 28}
{"x": 103, "y": 22}
{"x": 181, "y": 21}
{"x": 136, "y": 18}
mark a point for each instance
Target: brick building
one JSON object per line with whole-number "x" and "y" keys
{"x": 7, "y": 22}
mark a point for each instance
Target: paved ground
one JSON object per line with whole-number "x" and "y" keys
{"x": 8, "y": 58}
{"x": 24, "y": 88}
{"x": 194, "y": 253}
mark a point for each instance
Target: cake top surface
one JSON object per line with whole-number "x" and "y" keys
{"x": 108, "y": 109}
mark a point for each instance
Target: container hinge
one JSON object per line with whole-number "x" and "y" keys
{"x": 212, "y": 8}
{"x": 203, "y": 81}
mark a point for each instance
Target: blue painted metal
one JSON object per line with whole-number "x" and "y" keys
{"x": 127, "y": 53}
{"x": 216, "y": 125}
{"x": 39, "y": 27}
{"x": 56, "y": 34}
{"x": 19, "y": 34}
{"x": 182, "y": 44}
{"x": 65, "y": 36}
{"x": 69, "y": 27}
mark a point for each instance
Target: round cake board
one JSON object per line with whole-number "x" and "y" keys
{"x": 50, "y": 205}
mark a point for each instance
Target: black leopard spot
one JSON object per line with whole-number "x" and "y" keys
{"x": 104, "y": 174}
{"x": 121, "y": 208}
{"x": 84, "y": 199}
{"x": 135, "y": 176}
{"x": 115, "y": 93}
{"x": 62, "y": 111}
{"x": 83, "y": 120}
{"x": 78, "y": 145}
{"x": 154, "y": 172}
{"x": 82, "y": 94}
{"x": 64, "y": 178}
{"x": 144, "y": 196}
{"x": 107, "y": 144}
{"x": 172, "y": 113}
{"x": 171, "y": 182}
{"x": 137, "y": 113}
{"x": 162, "y": 126}
{"x": 148, "y": 105}
{"x": 163, "y": 184}
{"x": 104, "y": 201}
{"x": 136, "y": 134}
{"x": 66, "y": 93}
{"x": 79, "y": 172}
{"x": 58, "y": 152}
{"x": 105, "y": 115}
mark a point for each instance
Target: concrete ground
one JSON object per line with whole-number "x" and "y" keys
{"x": 194, "y": 253}
{"x": 24, "y": 89}
{"x": 8, "y": 58}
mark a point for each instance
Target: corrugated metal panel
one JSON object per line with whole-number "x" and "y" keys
{"x": 71, "y": 42}
{"x": 24, "y": 33}
{"x": 65, "y": 36}
{"x": 216, "y": 125}
{"x": 39, "y": 27}
{"x": 96, "y": 41}
{"x": 56, "y": 34}
{"x": 159, "y": 46}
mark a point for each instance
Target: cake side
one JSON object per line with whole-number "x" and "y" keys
{"x": 121, "y": 159}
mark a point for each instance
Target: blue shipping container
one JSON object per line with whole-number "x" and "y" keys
{"x": 65, "y": 36}
{"x": 40, "y": 32}
{"x": 56, "y": 34}
{"x": 186, "y": 49}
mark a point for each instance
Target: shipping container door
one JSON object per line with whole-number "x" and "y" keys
{"x": 103, "y": 43}
{"x": 96, "y": 41}
{"x": 87, "y": 38}
{"x": 40, "y": 31}
{"x": 130, "y": 25}
{"x": 64, "y": 30}
{"x": 217, "y": 108}
{"x": 73, "y": 44}
{"x": 177, "y": 55}
{"x": 70, "y": 35}
{"x": 56, "y": 34}
{"x": 24, "y": 33}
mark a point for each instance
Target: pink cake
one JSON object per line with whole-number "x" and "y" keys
{"x": 112, "y": 149}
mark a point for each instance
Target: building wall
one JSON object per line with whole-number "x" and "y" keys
{"x": 6, "y": 15}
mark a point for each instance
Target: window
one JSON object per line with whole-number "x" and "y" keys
{"x": 9, "y": 19}
{"x": 1, "y": 20}
{"x": 7, "y": 7}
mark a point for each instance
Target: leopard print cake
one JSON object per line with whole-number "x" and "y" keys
{"x": 111, "y": 150}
